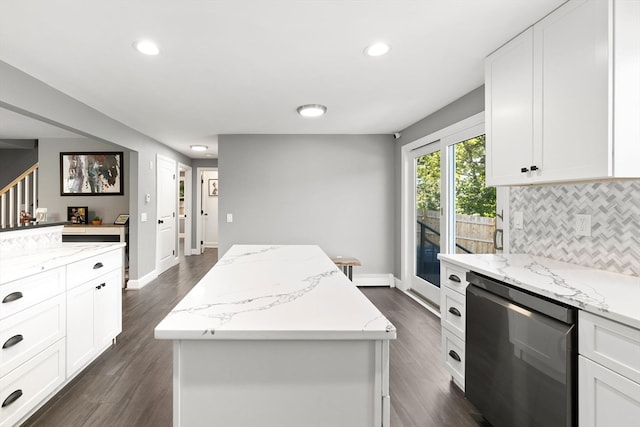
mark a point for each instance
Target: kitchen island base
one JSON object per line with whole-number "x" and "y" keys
{"x": 283, "y": 383}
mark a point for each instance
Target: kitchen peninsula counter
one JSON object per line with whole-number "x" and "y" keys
{"x": 278, "y": 336}
{"x": 610, "y": 295}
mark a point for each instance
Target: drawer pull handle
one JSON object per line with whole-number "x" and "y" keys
{"x": 454, "y": 278}
{"x": 12, "y": 341}
{"x": 454, "y": 356}
{"x": 12, "y": 297}
{"x": 12, "y": 398}
{"x": 455, "y": 311}
{"x": 98, "y": 265}
{"x": 101, "y": 285}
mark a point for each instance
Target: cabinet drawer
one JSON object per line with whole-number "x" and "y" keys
{"x": 611, "y": 344}
{"x": 27, "y": 333}
{"x": 454, "y": 277}
{"x": 31, "y": 383}
{"x": 453, "y": 312}
{"x": 29, "y": 291}
{"x": 452, "y": 350}
{"x": 87, "y": 269}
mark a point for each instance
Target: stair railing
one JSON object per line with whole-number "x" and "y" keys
{"x": 20, "y": 195}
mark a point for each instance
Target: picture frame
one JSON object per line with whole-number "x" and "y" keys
{"x": 92, "y": 173}
{"x": 77, "y": 214}
{"x": 122, "y": 219}
{"x": 213, "y": 187}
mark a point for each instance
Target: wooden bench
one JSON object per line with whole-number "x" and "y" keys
{"x": 347, "y": 264}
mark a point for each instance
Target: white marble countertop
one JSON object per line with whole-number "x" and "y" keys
{"x": 16, "y": 265}
{"x": 275, "y": 292}
{"x": 610, "y": 295}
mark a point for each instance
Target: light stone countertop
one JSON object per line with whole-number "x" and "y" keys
{"x": 611, "y": 295}
{"x": 275, "y": 293}
{"x": 19, "y": 264}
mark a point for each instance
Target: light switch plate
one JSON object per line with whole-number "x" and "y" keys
{"x": 583, "y": 225}
{"x": 518, "y": 220}
{"x": 229, "y": 217}
{"x": 143, "y": 217}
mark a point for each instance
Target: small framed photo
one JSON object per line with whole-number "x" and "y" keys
{"x": 122, "y": 219}
{"x": 77, "y": 214}
{"x": 213, "y": 187}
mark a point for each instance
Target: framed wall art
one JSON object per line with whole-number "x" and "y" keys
{"x": 213, "y": 187}
{"x": 91, "y": 174}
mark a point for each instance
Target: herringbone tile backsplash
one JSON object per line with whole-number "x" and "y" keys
{"x": 550, "y": 220}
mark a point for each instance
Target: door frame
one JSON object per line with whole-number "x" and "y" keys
{"x": 407, "y": 197}
{"x": 198, "y": 213}
{"x": 188, "y": 203}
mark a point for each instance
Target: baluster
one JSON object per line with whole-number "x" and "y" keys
{"x": 3, "y": 209}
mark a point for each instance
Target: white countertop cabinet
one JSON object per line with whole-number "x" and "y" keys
{"x": 278, "y": 336}
{"x": 562, "y": 98}
{"x": 53, "y": 319}
{"x": 608, "y": 373}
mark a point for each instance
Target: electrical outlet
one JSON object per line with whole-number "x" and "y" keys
{"x": 583, "y": 225}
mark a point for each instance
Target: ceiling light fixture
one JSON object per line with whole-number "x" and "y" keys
{"x": 377, "y": 49}
{"x": 199, "y": 147}
{"x": 312, "y": 110}
{"x": 147, "y": 47}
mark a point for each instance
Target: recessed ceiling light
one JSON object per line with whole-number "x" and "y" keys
{"x": 199, "y": 147}
{"x": 377, "y": 49}
{"x": 147, "y": 47}
{"x": 312, "y": 110}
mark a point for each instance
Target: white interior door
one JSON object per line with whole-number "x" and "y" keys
{"x": 167, "y": 218}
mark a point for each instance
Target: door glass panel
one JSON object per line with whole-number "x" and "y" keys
{"x": 475, "y": 204}
{"x": 428, "y": 217}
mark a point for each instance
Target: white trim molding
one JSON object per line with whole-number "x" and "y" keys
{"x": 143, "y": 281}
{"x": 374, "y": 280}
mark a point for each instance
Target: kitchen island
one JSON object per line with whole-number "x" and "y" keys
{"x": 278, "y": 336}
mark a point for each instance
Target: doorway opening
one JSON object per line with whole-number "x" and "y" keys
{"x": 207, "y": 208}
{"x": 184, "y": 210}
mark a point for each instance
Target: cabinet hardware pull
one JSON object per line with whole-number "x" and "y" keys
{"x": 12, "y": 297}
{"x": 524, "y": 170}
{"x": 98, "y": 265}
{"x": 12, "y": 398}
{"x": 12, "y": 341}
{"x": 160, "y": 221}
{"x": 101, "y": 285}
{"x": 455, "y": 311}
{"x": 534, "y": 168}
{"x": 454, "y": 278}
{"x": 454, "y": 356}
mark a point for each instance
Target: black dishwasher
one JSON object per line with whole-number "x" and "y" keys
{"x": 521, "y": 356}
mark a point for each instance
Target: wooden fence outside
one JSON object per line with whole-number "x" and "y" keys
{"x": 473, "y": 232}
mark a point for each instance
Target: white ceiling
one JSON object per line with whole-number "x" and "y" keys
{"x": 233, "y": 66}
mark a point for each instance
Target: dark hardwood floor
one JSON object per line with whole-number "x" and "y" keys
{"x": 131, "y": 383}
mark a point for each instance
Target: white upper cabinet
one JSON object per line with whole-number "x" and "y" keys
{"x": 563, "y": 98}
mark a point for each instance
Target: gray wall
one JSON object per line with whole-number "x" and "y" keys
{"x": 15, "y": 161}
{"x": 460, "y": 109}
{"x": 23, "y": 94}
{"x": 107, "y": 207}
{"x": 335, "y": 191}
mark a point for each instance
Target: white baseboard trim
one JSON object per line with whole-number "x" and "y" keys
{"x": 398, "y": 283}
{"x": 422, "y": 302}
{"x": 210, "y": 244}
{"x": 143, "y": 281}
{"x": 373, "y": 280}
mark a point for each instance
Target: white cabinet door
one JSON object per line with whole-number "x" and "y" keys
{"x": 509, "y": 111}
{"x": 605, "y": 398}
{"x": 80, "y": 331}
{"x": 108, "y": 309}
{"x": 570, "y": 92}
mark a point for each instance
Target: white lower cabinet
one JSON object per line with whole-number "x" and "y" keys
{"x": 608, "y": 373}
{"x": 52, "y": 324}
{"x": 26, "y": 386}
{"x": 452, "y": 319}
{"x": 94, "y": 317}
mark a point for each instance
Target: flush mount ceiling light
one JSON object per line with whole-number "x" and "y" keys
{"x": 312, "y": 110}
{"x": 146, "y": 47}
{"x": 377, "y": 49}
{"x": 199, "y": 147}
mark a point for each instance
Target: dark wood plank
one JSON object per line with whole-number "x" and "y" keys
{"x": 131, "y": 383}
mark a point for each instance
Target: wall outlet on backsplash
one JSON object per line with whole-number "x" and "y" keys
{"x": 583, "y": 225}
{"x": 518, "y": 220}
